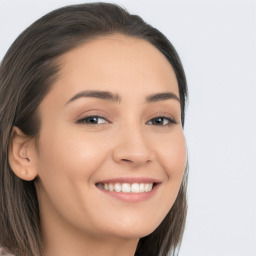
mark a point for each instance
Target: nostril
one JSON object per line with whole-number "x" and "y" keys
{"x": 136, "y": 162}
{"x": 126, "y": 160}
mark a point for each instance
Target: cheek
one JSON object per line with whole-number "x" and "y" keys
{"x": 173, "y": 158}
{"x": 173, "y": 155}
{"x": 71, "y": 153}
{"x": 66, "y": 166}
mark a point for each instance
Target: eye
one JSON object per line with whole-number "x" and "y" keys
{"x": 93, "y": 120}
{"x": 161, "y": 121}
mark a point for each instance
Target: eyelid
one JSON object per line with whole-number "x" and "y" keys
{"x": 171, "y": 120}
{"x": 81, "y": 120}
{"x": 92, "y": 112}
{"x": 164, "y": 115}
{"x": 99, "y": 113}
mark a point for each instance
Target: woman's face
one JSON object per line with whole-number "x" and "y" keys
{"x": 112, "y": 121}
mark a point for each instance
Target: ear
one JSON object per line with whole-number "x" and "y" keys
{"x": 22, "y": 155}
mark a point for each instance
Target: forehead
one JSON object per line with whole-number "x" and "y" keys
{"x": 118, "y": 59}
{"x": 130, "y": 67}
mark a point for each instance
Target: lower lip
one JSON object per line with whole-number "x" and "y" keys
{"x": 131, "y": 197}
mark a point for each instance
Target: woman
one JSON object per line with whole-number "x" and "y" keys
{"x": 93, "y": 156}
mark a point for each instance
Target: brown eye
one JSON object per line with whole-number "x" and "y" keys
{"x": 161, "y": 121}
{"x": 93, "y": 120}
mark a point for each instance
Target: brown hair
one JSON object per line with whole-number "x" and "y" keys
{"x": 26, "y": 74}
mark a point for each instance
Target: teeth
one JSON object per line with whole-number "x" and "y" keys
{"x": 106, "y": 186}
{"x": 118, "y": 187}
{"x": 127, "y": 187}
{"x": 142, "y": 187}
{"x": 148, "y": 187}
{"x": 135, "y": 188}
{"x": 110, "y": 187}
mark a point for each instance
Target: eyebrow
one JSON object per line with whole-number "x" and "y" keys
{"x": 104, "y": 95}
{"x": 109, "y": 96}
{"x": 161, "y": 96}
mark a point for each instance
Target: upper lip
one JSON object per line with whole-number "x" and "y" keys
{"x": 131, "y": 180}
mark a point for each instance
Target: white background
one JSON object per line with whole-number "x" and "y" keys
{"x": 216, "y": 41}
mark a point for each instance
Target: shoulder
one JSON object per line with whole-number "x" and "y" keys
{"x": 4, "y": 252}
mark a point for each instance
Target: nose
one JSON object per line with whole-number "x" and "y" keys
{"x": 132, "y": 148}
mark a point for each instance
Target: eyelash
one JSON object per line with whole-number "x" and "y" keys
{"x": 87, "y": 119}
{"x": 170, "y": 120}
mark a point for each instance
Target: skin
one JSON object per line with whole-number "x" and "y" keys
{"x": 72, "y": 156}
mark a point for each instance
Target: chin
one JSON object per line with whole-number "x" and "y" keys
{"x": 134, "y": 231}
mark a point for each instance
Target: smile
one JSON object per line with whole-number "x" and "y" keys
{"x": 126, "y": 187}
{"x": 130, "y": 189}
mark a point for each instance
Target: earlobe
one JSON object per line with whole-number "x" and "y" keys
{"x": 22, "y": 155}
